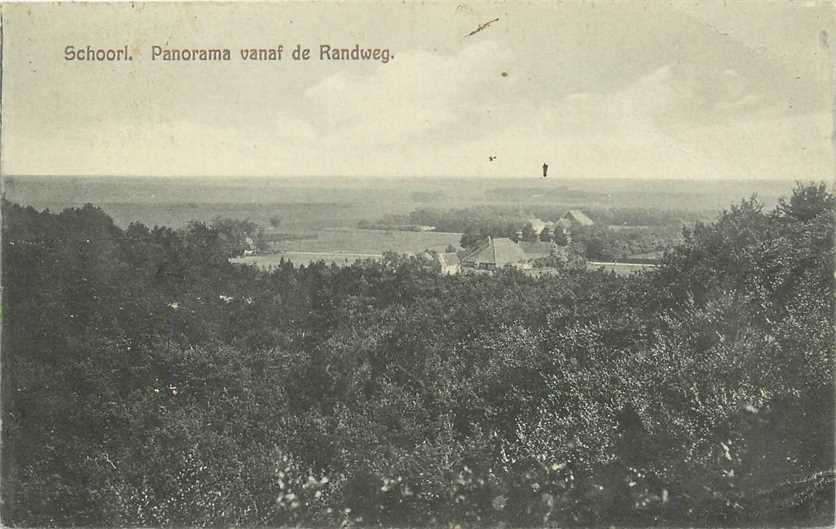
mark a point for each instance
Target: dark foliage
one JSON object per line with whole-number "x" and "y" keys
{"x": 149, "y": 381}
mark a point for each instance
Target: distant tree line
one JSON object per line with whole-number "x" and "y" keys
{"x": 510, "y": 219}
{"x": 501, "y": 221}
{"x": 147, "y": 381}
{"x": 644, "y": 231}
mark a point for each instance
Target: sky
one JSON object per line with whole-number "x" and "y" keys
{"x": 641, "y": 90}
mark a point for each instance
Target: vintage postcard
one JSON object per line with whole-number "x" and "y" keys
{"x": 379, "y": 264}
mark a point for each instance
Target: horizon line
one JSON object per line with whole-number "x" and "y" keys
{"x": 221, "y": 177}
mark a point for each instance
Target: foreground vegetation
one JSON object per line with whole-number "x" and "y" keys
{"x": 149, "y": 381}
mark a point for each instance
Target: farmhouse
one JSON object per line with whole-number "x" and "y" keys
{"x": 575, "y": 217}
{"x": 495, "y": 253}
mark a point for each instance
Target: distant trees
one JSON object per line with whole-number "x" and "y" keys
{"x": 529, "y": 234}
{"x": 603, "y": 243}
{"x": 617, "y": 234}
{"x": 470, "y": 239}
{"x": 498, "y": 222}
{"x": 235, "y": 236}
{"x": 559, "y": 236}
{"x": 503, "y": 221}
{"x": 428, "y": 196}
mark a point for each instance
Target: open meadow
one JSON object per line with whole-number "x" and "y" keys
{"x": 372, "y": 241}
{"x": 344, "y": 246}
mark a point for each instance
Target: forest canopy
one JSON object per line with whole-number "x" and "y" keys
{"x": 148, "y": 381}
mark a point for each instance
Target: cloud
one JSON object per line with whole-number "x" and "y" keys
{"x": 673, "y": 122}
{"x": 175, "y": 147}
{"x": 433, "y": 114}
{"x": 416, "y": 94}
{"x": 685, "y": 94}
{"x": 291, "y": 127}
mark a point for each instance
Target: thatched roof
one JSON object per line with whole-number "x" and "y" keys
{"x": 578, "y": 217}
{"x": 498, "y": 252}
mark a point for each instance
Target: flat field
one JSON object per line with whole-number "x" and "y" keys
{"x": 371, "y": 241}
{"x": 346, "y": 245}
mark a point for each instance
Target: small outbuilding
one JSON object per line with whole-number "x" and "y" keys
{"x": 450, "y": 263}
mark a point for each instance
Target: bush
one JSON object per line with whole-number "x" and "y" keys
{"x": 149, "y": 381}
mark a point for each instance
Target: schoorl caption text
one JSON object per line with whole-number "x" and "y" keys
{"x": 279, "y": 53}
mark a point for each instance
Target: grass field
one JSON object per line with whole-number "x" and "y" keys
{"x": 346, "y": 245}
{"x": 371, "y": 241}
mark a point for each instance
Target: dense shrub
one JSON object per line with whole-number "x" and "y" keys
{"x": 148, "y": 381}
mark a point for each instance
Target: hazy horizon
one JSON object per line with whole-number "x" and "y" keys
{"x": 323, "y": 201}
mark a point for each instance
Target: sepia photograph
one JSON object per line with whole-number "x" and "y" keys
{"x": 418, "y": 265}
